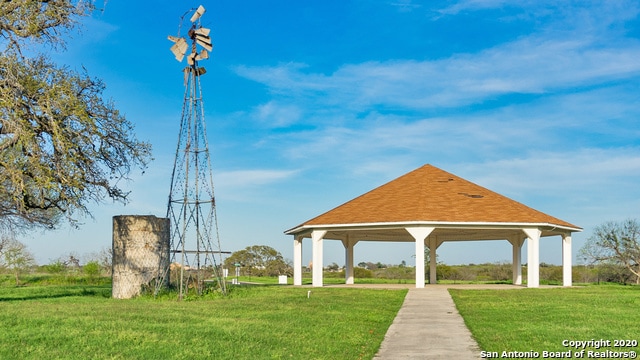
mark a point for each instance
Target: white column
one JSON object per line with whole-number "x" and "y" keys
{"x": 348, "y": 265}
{"x": 433, "y": 264}
{"x": 517, "y": 259}
{"x": 419, "y": 234}
{"x": 297, "y": 260}
{"x": 533, "y": 257}
{"x": 419, "y": 263}
{"x": 317, "y": 262}
{"x": 566, "y": 260}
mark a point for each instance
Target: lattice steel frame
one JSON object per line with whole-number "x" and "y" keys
{"x": 195, "y": 238}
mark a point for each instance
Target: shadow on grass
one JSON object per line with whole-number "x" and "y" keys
{"x": 39, "y": 293}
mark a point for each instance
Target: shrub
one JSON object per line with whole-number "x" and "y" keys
{"x": 92, "y": 269}
{"x": 56, "y": 267}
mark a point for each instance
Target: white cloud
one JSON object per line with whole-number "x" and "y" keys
{"x": 405, "y": 5}
{"x": 529, "y": 65}
{"x": 569, "y": 172}
{"x": 556, "y": 13}
{"x": 581, "y": 46}
{"x": 274, "y": 114}
{"x": 92, "y": 30}
{"x": 585, "y": 187}
{"x": 464, "y": 5}
{"x": 566, "y": 143}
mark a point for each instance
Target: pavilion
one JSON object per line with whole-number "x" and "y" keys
{"x": 429, "y": 206}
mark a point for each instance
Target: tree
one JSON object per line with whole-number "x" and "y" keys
{"x": 15, "y": 256}
{"x": 105, "y": 259}
{"x": 61, "y": 145}
{"x": 42, "y": 21}
{"x": 371, "y": 266}
{"x": 427, "y": 256}
{"x": 333, "y": 267}
{"x": 617, "y": 244}
{"x": 259, "y": 260}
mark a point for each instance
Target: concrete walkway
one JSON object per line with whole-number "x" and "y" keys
{"x": 428, "y": 326}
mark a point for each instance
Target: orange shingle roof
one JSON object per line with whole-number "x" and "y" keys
{"x": 430, "y": 194}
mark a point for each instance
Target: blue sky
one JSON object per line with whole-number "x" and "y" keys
{"x": 310, "y": 104}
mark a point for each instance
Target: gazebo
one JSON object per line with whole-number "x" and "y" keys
{"x": 430, "y": 206}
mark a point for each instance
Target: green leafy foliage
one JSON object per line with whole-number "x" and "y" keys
{"x": 258, "y": 260}
{"x": 56, "y": 267}
{"x": 92, "y": 269}
{"x": 62, "y": 146}
{"x": 42, "y": 21}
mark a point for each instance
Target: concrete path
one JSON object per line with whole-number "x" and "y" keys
{"x": 428, "y": 326}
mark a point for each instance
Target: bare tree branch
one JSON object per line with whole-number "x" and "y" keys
{"x": 615, "y": 243}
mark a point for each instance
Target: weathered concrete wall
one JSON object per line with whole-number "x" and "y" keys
{"x": 140, "y": 253}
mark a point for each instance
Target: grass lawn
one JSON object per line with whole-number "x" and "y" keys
{"x": 260, "y": 322}
{"x": 307, "y": 280}
{"x": 540, "y": 319}
{"x": 80, "y": 321}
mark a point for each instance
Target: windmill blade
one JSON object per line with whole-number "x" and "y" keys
{"x": 195, "y": 36}
{"x": 198, "y": 13}
{"x": 197, "y": 71}
{"x": 202, "y": 31}
{"x": 179, "y": 49}
{"x": 205, "y": 42}
{"x": 191, "y": 59}
{"x": 201, "y": 36}
{"x": 203, "y": 55}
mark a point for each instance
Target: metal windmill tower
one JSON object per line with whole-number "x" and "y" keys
{"x": 195, "y": 240}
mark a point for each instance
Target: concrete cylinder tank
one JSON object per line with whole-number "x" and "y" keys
{"x": 140, "y": 253}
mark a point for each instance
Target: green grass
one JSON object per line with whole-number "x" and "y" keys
{"x": 79, "y": 320}
{"x": 52, "y": 292}
{"x": 307, "y": 280}
{"x": 54, "y": 279}
{"x": 539, "y": 319}
{"x": 260, "y": 322}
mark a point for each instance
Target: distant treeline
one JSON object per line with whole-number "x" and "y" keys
{"x": 70, "y": 272}
{"x": 494, "y": 272}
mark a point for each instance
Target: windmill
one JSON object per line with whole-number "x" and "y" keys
{"x": 195, "y": 240}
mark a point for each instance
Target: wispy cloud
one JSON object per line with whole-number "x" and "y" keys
{"x": 564, "y": 122}
{"x": 587, "y": 186}
{"x": 530, "y": 66}
{"x": 568, "y": 172}
{"x": 248, "y": 178}
{"x": 406, "y": 5}
{"x": 241, "y": 185}
{"x": 273, "y": 114}
{"x": 580, "y": 46}
{"x": 571, "y": 14}
{"x": 386, "y": 117}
